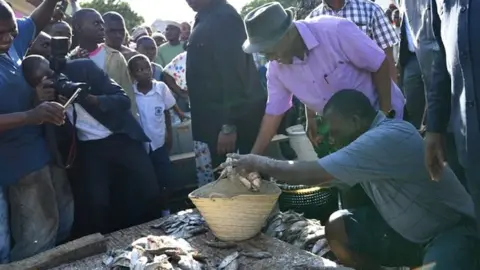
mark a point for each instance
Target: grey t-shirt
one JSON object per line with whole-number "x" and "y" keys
{"x": 388, "y": 162}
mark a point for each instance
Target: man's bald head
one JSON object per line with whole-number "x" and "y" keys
{"x": 88, "y": 26}
{"x": 113, "y": 16}
{"x": 348, "y": 114}
{"x": 115, "y": 30}
{"x": 80, "y": 16}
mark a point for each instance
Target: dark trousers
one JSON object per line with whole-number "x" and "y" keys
{"x": 163, "y": 172}
{"x": 414, "y": 90}
{"x": 116, "y": 186}
{"x": 247, "y": 131}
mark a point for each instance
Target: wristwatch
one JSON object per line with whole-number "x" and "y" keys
{"x": 391, "y": 114}
{"x": 228, "y": 129}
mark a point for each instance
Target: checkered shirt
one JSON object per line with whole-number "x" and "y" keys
{"x": 367, "y": 15}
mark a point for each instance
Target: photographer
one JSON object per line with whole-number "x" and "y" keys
{"x": 110, "y": 143}
{"x": 24, "y": 157}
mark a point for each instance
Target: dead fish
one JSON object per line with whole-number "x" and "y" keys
{"x": 199, "y": 257}
{"x": 227, "y": 260}
{"x": 165, "y": 250}
{"x": 321, "y": 244}
{"x": 232, "y": 266}
{"x": 257, "y": 254}
{"x": 196, "y": 231}
{"x": 188, "y": 263}
{"x": 219, "y": 244}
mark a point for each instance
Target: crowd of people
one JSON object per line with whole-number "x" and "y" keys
{"x": 87, "y": 108}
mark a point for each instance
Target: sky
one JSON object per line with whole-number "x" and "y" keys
{"x": 170, "y": 9}
{"x": 179, "y": 10}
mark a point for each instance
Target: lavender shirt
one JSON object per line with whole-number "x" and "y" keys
{"x": 340, "y": 56}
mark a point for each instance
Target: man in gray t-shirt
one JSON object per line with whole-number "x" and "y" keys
{"x": 413, "y": 220}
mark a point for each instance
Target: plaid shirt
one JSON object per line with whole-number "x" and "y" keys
{"x": 367, "y": 15}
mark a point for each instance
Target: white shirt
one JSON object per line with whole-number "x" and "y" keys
{"x": 88, "y": 128}
{"x": 409, "y": 33}
{"x": 98, "y": 56}
{"x": 151, "y": 107}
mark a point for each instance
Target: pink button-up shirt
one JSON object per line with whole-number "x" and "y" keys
{"x": 340, "y": 56}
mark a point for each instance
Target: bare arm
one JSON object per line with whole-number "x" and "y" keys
{"x": 391, "y": 60}
{"x": 170, "y": 82}
{"x": 268, "y": 129}
{"x": 42, "y": 15}
{"x": 169, "y": 132}
{"x": 383, "y": 84}
{"x": 309, "y": 173}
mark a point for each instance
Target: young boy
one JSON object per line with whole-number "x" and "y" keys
{"x": 147, "y": 46}
{"x": 154, "y": 100}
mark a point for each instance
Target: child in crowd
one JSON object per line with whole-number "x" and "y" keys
{"x": 154, "y": 100}
{"x": 147, "y": 46}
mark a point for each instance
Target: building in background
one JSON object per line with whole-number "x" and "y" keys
{"x": 21, "y": 7}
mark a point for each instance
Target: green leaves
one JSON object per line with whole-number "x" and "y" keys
{"x": 132, "y": 19}
{"x": 256, "y": 3}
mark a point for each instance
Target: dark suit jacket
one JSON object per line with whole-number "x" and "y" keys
{"x": 454, "y": 94}
{"x": 113, "y": 111}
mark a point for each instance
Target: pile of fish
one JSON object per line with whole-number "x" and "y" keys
{"x": 156, "y": 253}
{"x": 170, "y": 253}
{"x": 184, "y": 224}
{"x": 295, "y": 229}
{"x": 230, "y": 262}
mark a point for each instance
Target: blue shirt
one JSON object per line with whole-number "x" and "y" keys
{"x": 387, "y": 161}
{"x": 23, "y": 150}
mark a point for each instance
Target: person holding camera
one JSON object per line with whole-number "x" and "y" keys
{"x": 109, "y": 144}
{"x": 27, "y": 182}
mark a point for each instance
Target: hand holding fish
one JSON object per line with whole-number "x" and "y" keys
{"x": 243, "y": 168}
{"x": 248, "y": 163}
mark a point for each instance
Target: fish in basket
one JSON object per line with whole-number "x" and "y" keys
{"x": 236, "y": 206}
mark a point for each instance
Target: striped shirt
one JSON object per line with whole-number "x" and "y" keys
{"x": 387, "y": 161}
{"x": 367, "y": 15}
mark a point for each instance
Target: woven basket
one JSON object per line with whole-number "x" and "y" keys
{"x": 237, "y": 218}
{"x": 313, "y": 202}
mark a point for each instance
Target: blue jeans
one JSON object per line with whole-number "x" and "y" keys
{"x": 4, "y": 228}
{"x": 370, "y": 236}
{"x": 41, "y": 211}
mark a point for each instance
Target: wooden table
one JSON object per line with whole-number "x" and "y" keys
{"x": 285, "y": 256}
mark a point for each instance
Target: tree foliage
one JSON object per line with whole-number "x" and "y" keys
{"x": 256, "y": 3}
{"x": 132, "y": 19}
{"x": 302, "y": 7}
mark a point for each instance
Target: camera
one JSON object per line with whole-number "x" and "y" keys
{"x": 62, "y": 85}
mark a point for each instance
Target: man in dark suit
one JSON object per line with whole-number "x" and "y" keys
{"x": 109, "y": 145}
{"x": 453, "y": 97}
{"x": 418, "y": 50}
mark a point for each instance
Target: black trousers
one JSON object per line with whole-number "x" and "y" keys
{"x": 115, "y": 187}
{"x": 248, "y": 127}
